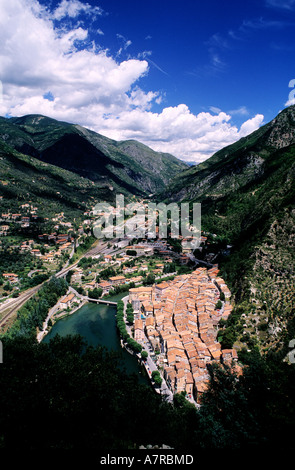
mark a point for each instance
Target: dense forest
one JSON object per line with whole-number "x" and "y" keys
{"x": 67, "y": 395}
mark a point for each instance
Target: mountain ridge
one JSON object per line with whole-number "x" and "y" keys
{"x": 247, "y": 195}
{"x": 134, "y": 166}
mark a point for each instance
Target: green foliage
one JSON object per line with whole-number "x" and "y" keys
{"x": 150, "y": 279}
{"x": 144, "y": 355}
{"x": 218, "y": 305}
{"x": 107, "y": 273}
{"x": 72, "y": 385}
{"x": 131, "y": 252}
{"x": 157, "y": 377}
{"x": 78, "y": 152}
{"x": 134, "y": 345}
{"x": 11, "y": 260}
{"x": 34, "y": 312}
{"x": 36, "y": 280}
{"x": 255, "y": 410}
{"x": 95, "y": 293}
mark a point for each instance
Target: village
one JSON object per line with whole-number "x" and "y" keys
{"x": 177, "y": 302}
{"x": 180, "y": 319}
{"x": 36, "y": 253}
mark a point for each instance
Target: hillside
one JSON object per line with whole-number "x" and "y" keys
{"x": 247, "y": 193}
{"x": 53, "y": 189}
{"x": 128, "y": 166}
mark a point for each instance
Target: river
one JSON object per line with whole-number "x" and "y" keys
{"x": 96, "y": 323}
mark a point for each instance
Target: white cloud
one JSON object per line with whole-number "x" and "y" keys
{"x": 282, "y": 4}
{"x": 53, "y": 71}
{"x": 290, "y": 102}
{"x": 176, "y": 130}
{"x": 243, "y": 111}
{"x": 73, "y": 8}
{"x": 251, "y": 125}
{"x": 291, "y": 99}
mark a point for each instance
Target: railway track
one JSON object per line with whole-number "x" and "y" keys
{"x": 15, "y": 304}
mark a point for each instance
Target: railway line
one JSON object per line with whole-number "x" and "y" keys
{"x": 10, "y": 308}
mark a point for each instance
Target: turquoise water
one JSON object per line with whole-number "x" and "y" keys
{"x": 96, "y": 323}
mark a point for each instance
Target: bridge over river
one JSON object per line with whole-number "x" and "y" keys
{"x": 98, "y": 301}
{"x": 90, "y": 299}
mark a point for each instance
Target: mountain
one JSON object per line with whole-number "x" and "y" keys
{"x": 245, "y": 182}
{"x": 53, "y": 189}
{"x": 247, "y": 193}
{"x": 126, "y": 166}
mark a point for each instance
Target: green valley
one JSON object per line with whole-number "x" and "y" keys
{"x": 247, "y": 193}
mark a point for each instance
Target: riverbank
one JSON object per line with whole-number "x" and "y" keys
{"x": 54, "y": 318}
{"x": 149, "y": 363}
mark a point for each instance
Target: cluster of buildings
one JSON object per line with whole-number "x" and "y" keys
{"x": 180, "y": 320}
{"x": 125, "y": 273}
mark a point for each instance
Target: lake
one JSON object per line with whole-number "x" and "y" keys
{"x": 96, "y": 323}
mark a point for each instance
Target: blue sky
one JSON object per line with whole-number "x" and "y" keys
{"x": 184, "y": 77}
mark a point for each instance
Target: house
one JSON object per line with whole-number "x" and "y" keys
{"x": 77, "y": 275}
{"x": 184, "y": 259}
{"x": 147, "y": 307}
{"x": 4, "y": 229}
{"x": 143, "y": 267}
{"x": 138, "y": 331}
{"x": 160, "y": 289}
{"x": 117, "y": 280}
{"x": 229, "y": 355}
{"x": 62, "y": 236}
{"x": 160, "y": 266}
{"x": 140, "y": 249}
{"x": 105, "y": 286}
{"x": 24, "y": 247}
{"x": 90, "y": 284}
{"x": 36, "y": 252}
{"x": 136, "y": 279}
{"x": 48, "y": 258}
{"x": 11, "y": 278}
{"x": 127, "y": 269}
{"x": 140, "y": 294}
{"x": 67, "y": 301}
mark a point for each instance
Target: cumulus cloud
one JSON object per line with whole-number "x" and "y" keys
{"x": 291, "y": 99}
{"x": 57, "y": 71}
{"x": 251, "y": 125}
{"x": 73, "y": 8}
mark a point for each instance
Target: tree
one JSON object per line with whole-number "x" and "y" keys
{"x": 131, "y": 252}
{"x": 218, "y": 305}
{"x": 144, "y": 355}
{"x": 227, "y": 338}
{"x": 150, "y": 279}
{"x": 130, "y": 317}
{"x": 157, "y": 377}
{"x": 95, "y": 293}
